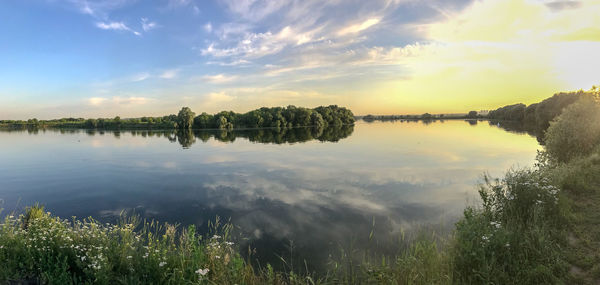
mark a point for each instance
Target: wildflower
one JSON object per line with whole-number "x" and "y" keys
{"x": 485, "y": 238}
{"x": 129, "y": 257}
{"x": 83, "y": 258}
{"x": 217, "y": 257}
{"x": 229, "y": 243}
{"x": 507, "y": 245}
{"x": 496, "y": 224}
{"x": 202, "y": 272}
{"x": 162, "y": 263}
{"x": 216, "y": 237}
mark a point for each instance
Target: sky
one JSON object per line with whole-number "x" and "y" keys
{"x": 102, "y": 58}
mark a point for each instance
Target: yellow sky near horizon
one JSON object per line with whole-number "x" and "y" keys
{"x": 495, "y": 53}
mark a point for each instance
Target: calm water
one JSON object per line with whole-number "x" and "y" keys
{"x": 277, "y": 188}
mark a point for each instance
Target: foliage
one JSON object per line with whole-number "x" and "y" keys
{"x": 276, "y": 117}
{"x": 514, "y": 237}
{"x": 514, "y": 112}
{"x": 576, "y": 132}
{"x": 185, "y": 118}
{"x": 540, "y": 114}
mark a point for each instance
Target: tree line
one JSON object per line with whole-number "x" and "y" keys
{"x": 539, "y": 115}
{"x": 276, "y": 117}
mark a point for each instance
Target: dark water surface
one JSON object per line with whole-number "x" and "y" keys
{"x": 317, "y": 190}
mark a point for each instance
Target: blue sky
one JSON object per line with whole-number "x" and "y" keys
{"x": 101, "y": 58}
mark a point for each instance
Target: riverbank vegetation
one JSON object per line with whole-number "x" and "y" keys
{"x": 539, "y": 225}
{"x": 539, "y": 115}
{"x": 276, "y": 117}
{"x": 423, "y": 117}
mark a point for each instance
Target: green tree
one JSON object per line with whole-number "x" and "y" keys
{"x": 576, "y": 132}
{"x": 472, "y": 115}
{"x": 185, "y": 118}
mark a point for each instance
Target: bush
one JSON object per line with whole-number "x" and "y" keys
{"x": 576, "y": 132}
{"x": 512, "y": 238}
{"x": 45, "y": 249}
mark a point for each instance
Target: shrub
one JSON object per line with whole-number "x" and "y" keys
{"x": 512, "y": 238}
{"x": 576, "y": 132}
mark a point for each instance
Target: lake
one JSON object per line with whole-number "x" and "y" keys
{"x": 301, "y": 194}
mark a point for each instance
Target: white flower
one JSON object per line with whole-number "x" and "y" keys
{"x": 496, "y": 224}
{"x": 217, "y": 257}
{"x": 202, "y": 272}
{"x": 229, "y": 243}
{"x": 162, "y": 263}
{"x": 83, "y": 258}
{"x": 129, "y": 257}
{"x": 216, "y": 237}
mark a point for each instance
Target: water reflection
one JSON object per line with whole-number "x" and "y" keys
{"x": 275, "y": 186}
{"x": 186, "y": 138}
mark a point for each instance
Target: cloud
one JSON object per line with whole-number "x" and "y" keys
{"x": 254, "y": 45}
{"x": 179, "y": 3}
{"x": 117, "y": 26}
{"x": 218, "y": 78}
{"x": 99, "y": 9}
{"x": 173, "y": 4}
{"x": 169, "y": 74}
{"x": 217, "y": 98}
{"x": 95, "y": 101}
{"x": 231, "y": 63}
{"x": 148, "y": 25}
{"x": 208, "y": 27}
{"x": 99, "y": 101}
{"x": 254, "y": 10}
{"x": 130, "y": 100}
{"x": 356, "y": 28}
{"x": 140, "y": 77}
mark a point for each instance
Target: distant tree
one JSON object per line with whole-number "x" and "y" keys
{"x": 472, "y": 115}
{"x": 426, "y": 116}
{"x": 185, "y": 118}
{"x": 91, "y": 123}
{"x": 117, "y": 121}
{"x": 203, "y": 121}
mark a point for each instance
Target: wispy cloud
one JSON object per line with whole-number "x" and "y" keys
{"x": 173, "y": 4}
{"x": 218, "y": 78}
{"x": 231, "y": 63}
{"x": 355, "y": 28}
{"x": 140, "y": 77}
{"x": 98, "y": 9}
{"x": 117, "y": 26}
{"x": 169, "y": 74}
{"x": 208, "y": 27}
{"x": 116, "y": 100}
{"x": 148, "y": 25}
